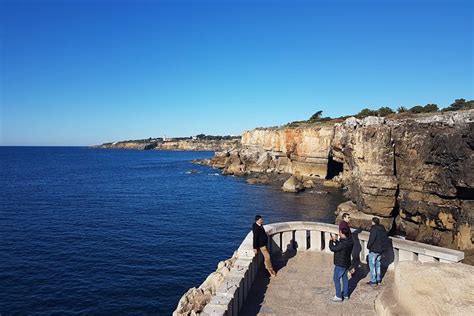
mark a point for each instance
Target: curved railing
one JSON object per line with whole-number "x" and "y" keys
{"x": 309, "y": 236}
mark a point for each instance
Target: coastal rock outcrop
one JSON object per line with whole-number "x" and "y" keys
{"x": 293, "y": 184}
{"x": 195, "y": 299}
{"x": 415, "y": 173}
{"x": 418, "y": 171}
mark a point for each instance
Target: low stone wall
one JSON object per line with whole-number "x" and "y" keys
{"x": 308, "y": 236}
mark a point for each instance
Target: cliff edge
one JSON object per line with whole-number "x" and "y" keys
{"x": 415, "y": 173}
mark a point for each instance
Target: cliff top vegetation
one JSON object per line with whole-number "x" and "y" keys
{"x": 386, "y": 111}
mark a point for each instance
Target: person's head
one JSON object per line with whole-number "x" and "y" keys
{"x": 344, "y": 232}
{"x": 346, "y": 217}
{"x": 259, "y": 219}
{"x": 375, "y": 221}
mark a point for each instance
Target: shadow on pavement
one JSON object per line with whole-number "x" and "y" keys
{"x": 255, "y": 297}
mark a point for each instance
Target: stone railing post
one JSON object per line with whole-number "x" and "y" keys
{"x": 327, "y": 239}
{"x": 315, "y": 240}
{"x": 286, "y": 241}
{"x": 301, "y": 240}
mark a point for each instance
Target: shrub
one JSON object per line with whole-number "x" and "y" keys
{"x": 417, "y": 109}
{"x": 316, "y": 116}
{"x": 402, "y": 109}
{"x": 430, "y": 108}
{"x": 384, "y": 111}
{"x": 460, "y": 104}
{"x": 366, "y": 112}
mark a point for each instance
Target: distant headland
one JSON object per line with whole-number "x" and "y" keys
{"x": 199, "y": 142}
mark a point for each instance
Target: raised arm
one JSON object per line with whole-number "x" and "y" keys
{"x": 335, "y": 246}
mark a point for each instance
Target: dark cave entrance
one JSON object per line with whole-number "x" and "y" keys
{"x": 465, "y": 193}
{"x": 334, "y": 168}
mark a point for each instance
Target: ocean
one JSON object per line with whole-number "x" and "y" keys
{"x": 102, "y": 231}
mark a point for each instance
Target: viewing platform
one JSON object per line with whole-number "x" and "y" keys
{"x": 304, "y": 286}
{"x": 304, "y": 264}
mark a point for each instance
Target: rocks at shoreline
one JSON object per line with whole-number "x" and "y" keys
{"x": 293, "y": 184}
{"x": 195, "y": 299}
{"x": 416, "y": 174}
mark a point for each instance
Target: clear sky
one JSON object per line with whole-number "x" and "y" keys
{"x": 86, "y": 72}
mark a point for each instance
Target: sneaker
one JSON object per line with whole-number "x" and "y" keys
{"x": 372, "y": 284}
{"x": 336, "y": 299}
{"x": 346, "y": 298}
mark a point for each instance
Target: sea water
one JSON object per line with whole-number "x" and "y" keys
{"x": 102, "y": 231}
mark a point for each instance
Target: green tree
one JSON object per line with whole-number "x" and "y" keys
{"x": 417, "y": 109}
{"x": 430, "y": 108}
{"x": 316, "y": 116}
{"x": 384, "y": 111}
{"x": 366, "y": 112}
{"x": 402, "y": 109}
{"x": 460, "y": 104}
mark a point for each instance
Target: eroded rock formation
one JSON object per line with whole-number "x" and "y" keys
{"x": 195, "y": 299}
{"x": 415, "y": 173}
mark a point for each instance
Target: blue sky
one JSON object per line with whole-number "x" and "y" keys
{"x": 87, "y": 72}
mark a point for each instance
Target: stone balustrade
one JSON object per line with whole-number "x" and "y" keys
{"x": 309, "y": 236}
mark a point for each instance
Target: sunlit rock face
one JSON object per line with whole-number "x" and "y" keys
{"x": 416, "y": 173}
{"x": 302, "y": 151}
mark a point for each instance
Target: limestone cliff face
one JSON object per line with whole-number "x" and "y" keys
{"x": 198, "y": 145}
{"x": 415, "y": 173}
{"x": 299, "y": 151}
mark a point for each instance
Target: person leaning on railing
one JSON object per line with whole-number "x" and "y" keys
{"x": 260, "y": 241}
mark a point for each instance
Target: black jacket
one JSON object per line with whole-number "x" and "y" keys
{"x": 260, "y": 237}
{"x": 342, "y": 251}
{"x": 378, "y": 239}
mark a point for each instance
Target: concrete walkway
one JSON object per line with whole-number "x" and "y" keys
{"x": 304, "y": 286}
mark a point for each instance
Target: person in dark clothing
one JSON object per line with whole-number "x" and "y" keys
{"x": 377, "y": 244}
{"x": 260, "y": 241}
{"x": 342, "y": 249}
{"x": 345, "y": 221}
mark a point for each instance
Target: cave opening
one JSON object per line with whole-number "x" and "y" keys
{"x": 334, "y": 168}
{"x": 465, "y": 193}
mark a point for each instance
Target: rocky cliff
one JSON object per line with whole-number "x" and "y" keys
{"x": 181, "y": 144}
{"x": 415, "y": 173}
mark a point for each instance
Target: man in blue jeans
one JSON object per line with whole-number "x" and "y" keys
{"x": 342, "y": 249}
{"x": 377, "y": 244}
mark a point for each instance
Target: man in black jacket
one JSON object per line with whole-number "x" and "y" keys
{"x": 342, "y": 249}
{"x": 260, "y": 241}
{"x": 377, "y": 244}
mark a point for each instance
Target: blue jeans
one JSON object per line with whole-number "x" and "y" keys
{"x": 374, "y": 265}
{"x": 340, "y": 272}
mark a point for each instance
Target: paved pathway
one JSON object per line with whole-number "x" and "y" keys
{"x": 304, "y": 286}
